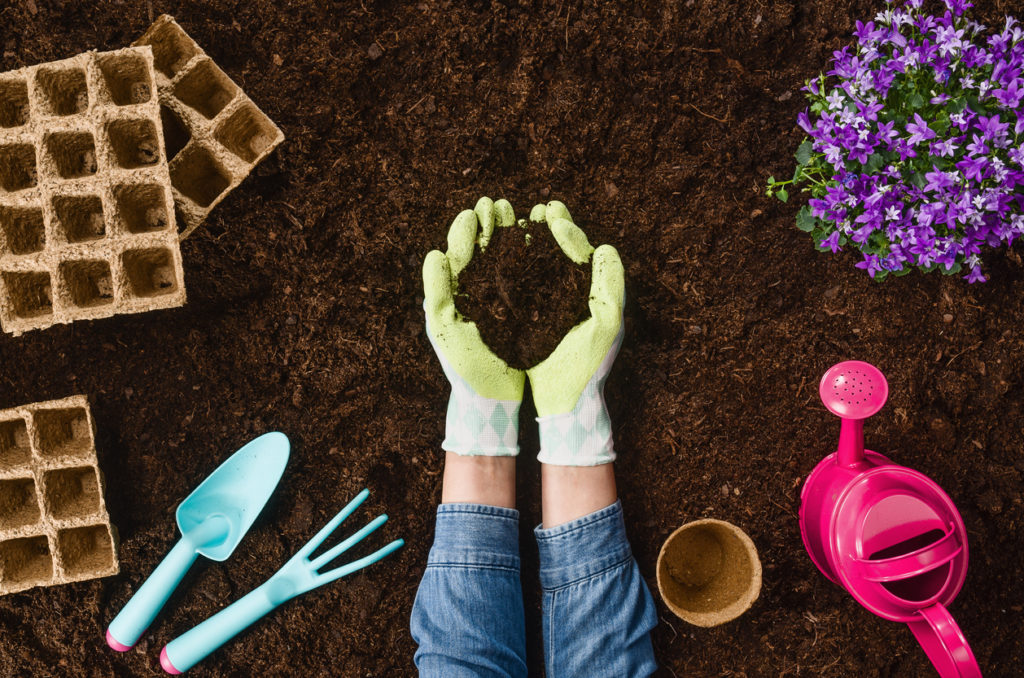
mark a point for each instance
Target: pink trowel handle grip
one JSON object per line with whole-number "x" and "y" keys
{"x": 944, "y": 643}
{"x": 914, "y": 563}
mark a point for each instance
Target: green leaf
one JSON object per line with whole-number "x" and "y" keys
{"x": 803, "y": 153}
{"x": 804, "y": 220}
{"x": 782, "y": 195}
{"x": 915, "y": 100}
{"x": 877, "y": 243}
{"x": 874, "y": 163}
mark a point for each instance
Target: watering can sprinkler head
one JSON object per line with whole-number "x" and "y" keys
{"x": 853, "y": 390}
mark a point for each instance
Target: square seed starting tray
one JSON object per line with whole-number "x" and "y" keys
{"x": 54, "y": 526}
{"x": 214, "y": 132}
{"x": 87, "y": 223}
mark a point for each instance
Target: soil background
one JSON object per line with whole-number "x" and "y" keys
{"x": 657, "y": 124}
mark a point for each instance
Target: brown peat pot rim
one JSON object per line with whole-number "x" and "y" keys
{"x": 708, "y": 572}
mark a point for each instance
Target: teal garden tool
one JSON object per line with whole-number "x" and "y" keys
{"x": 299, "y": 575}
{"x": 212, "y": 520}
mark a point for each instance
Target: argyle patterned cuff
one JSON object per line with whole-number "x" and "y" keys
{"x": 582, "y": 437}
{"x": 480, "y": 426}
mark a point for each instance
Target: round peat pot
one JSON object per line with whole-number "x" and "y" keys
{"x": 709, "y": 572}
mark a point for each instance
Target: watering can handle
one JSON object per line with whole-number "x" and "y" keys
{"x": 914, "y": 563}
{"x": 944, "y": 643}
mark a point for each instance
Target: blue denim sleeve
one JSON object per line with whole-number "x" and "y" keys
{"x": 598, "y": 613}
{"x": 468, "y": 616}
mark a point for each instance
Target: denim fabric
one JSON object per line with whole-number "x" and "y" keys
{"x": 598, "y": 613}
{"x": 468, "y": 614}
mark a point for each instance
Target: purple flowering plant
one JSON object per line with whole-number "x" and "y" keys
{"x": 912, "y": 153}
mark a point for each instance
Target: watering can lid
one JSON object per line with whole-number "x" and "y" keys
{"x": 890, "y": 506}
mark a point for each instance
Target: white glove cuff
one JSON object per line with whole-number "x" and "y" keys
{"x": 480, "y": 426}
{"x": 582, "y": 437}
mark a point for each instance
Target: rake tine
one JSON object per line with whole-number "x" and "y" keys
{"x": 344, "y": 513}
{"x": 336, "y": 551}
{"x": 355, "y": 565}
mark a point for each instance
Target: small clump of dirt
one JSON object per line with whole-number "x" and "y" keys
{"x": 523, "y": 293}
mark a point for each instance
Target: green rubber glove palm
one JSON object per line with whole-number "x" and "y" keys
{"x": 568, "y": 386}
{"x": 483, "y": 409}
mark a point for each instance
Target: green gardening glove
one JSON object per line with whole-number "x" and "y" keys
{"x": 568, "y": 386}
{"x": 483, "y": 409}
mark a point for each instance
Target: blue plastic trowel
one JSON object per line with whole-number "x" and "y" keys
{"x": 212, "y": 520}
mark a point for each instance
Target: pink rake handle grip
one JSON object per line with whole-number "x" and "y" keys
{"x": 914, "y": 563}
{"x": 944, "y": 643}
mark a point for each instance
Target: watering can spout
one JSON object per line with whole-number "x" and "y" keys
{"x": 851, "y": 443}
{"x": 853, "y": 391}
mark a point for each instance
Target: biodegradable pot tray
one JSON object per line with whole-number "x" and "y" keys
{"x": 87, "y": 224}
{"x": 54, "y": 526}
{"x": 215, "y": 134}
{"x": 708, "y": 572}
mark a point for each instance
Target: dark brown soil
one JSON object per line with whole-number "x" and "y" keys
{"x": 523, "y": 293}
{"x": 656, "y": 123}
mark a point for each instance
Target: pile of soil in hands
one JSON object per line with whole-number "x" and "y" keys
{"x": 523, "y": 293}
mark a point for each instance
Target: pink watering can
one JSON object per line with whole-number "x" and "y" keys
{"x": 886, "y": 533}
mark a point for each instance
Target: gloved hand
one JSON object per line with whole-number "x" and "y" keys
{"x": 568, "y": 386}
{"x": 483, "y": 409}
